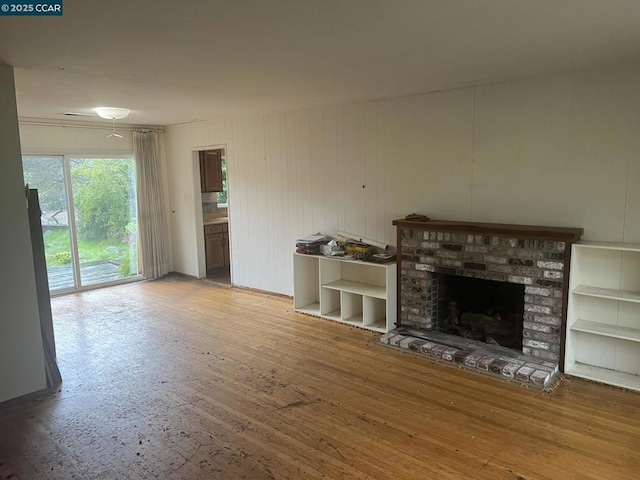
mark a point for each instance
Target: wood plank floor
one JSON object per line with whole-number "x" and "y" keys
{"x": 179, "y": 379}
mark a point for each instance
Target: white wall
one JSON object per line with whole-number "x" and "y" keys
{"x": 558, "y": 150}
{"x": 21, "y": 353}
{"x": 60, "y": 140}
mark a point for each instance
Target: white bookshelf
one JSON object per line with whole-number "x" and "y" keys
{"x": 357, "y": 293}
{"x": 603, "y": 317}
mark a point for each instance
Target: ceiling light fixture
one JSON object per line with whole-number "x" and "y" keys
{"x": 113, "y": 114}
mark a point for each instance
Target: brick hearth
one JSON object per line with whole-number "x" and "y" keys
{"x": 485, "y": 358}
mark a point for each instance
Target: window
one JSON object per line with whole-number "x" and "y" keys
{"x": 222, "y": 196}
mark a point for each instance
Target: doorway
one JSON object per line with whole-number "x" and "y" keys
{"x": 89, "y": 219}
{"x": 215, "y": 214}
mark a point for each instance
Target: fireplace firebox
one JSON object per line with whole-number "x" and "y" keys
{"x": 484, "y": 310}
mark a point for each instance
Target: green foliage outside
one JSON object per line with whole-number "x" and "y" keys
{"x": 58, "y": 249}
{"x": 62, "y": 258}
{"x": 125, "y": 267}
{"x": 47, "y": 175}
{"x": 102, "y": 198}
{"x": 222, "y": 196}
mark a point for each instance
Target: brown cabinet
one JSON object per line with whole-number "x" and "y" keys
{"x": 216, "y": 244}
{"x": 211, "y": 171}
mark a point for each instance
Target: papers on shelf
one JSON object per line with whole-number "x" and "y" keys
{"x": 311, "y": 239}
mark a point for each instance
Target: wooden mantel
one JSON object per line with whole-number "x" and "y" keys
{"x": 568, "y": 234}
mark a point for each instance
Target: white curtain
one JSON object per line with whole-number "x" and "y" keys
{"x": 151, "y": 209}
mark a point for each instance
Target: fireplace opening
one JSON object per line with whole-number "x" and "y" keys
{"x": 484, "y": 310}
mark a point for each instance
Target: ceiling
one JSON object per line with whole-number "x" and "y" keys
{"x": 177, "y": 62}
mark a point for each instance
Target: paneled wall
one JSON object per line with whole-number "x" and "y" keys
{"x": 557, "y": 150}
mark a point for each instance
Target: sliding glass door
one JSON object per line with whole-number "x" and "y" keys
{"x": 47, "y": 174}
{"x": 104, "y": 201}
{"x": 89, "y": 218}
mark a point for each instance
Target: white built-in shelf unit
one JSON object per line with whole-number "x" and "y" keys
{"x": 603, "y": 318}
{"x": 358, "y": 293}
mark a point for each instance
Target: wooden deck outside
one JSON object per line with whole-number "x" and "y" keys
{"x": 91, "y": 273}
{"x": 179, "y": 379}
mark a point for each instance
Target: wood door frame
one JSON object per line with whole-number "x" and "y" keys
{"x": 198, "y": 214}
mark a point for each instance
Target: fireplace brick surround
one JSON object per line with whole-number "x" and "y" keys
{"x": 536, "y": 257}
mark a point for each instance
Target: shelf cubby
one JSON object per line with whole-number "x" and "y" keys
{"x": 329, "y": 301}
{"x": 374, "y": 310}
{"x": 605, "y": 375}
{"x": 306, "y": 295}
{"x": 351, "y": 307}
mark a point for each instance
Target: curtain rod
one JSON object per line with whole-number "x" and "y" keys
{"x": 98, "y": 127}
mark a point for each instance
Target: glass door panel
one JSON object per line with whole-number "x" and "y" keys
{"x": 47, "y": 175}
{"x": 104, "y": 199}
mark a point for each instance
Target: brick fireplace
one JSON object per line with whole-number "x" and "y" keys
{"x": 532, "y": 259}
